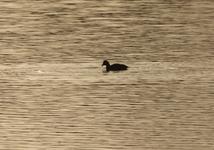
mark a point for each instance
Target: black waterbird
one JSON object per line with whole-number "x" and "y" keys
{"x": 114, "y": 67}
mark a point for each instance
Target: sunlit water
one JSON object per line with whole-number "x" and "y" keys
{"x": 55, "y": 95}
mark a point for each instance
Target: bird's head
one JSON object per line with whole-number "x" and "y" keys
{"x": 105, "y": 63}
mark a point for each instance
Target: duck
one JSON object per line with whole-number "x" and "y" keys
{"x": 114, "y": 67}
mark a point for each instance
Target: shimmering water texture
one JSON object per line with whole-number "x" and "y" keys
{"x": 53, "y": 91}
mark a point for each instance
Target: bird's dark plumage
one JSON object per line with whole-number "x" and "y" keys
{"x": 114, "y": 67}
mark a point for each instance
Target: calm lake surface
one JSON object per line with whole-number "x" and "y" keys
{"x": 55, "y": 95}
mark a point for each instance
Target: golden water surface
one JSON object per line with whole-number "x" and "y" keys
{"x": 54, "y": 94}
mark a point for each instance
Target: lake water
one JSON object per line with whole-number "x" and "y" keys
{"x": 55, "y": 95}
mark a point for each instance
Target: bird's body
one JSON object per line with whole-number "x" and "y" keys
{"x": 114, "y": 67}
